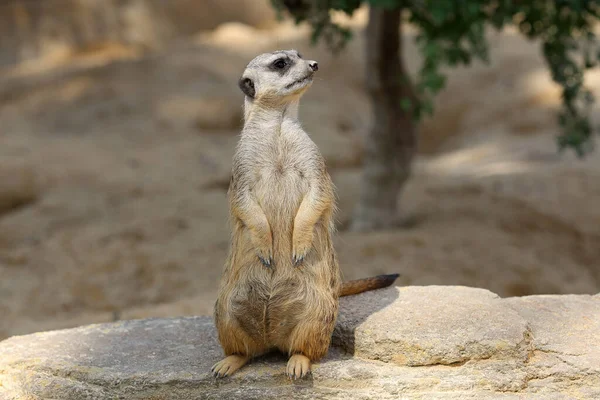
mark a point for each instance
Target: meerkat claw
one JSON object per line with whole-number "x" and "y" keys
{"x": 297, "y": 260}
{"x": 265, "y": 261}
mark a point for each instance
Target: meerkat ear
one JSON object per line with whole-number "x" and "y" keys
{"x": 247, "y": 87}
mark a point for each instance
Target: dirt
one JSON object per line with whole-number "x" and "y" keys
{"x": 114, "y": 165}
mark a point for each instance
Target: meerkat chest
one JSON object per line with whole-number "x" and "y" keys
{"x": 285, "y": 158}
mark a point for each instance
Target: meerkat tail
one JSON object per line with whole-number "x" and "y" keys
{"x": 363, "y": 285}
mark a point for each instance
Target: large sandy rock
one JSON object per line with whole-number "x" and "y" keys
{"x": 463, "y": 344}
{"x": 439, "y": 326}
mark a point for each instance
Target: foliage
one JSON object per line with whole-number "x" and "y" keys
{"x": 452, "y": 33}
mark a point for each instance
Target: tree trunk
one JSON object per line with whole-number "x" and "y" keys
{"x": 392, "y": 140}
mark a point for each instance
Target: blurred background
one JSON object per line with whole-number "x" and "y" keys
{"x": 118, "y": 121}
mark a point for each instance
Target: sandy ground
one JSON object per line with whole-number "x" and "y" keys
{"x": 114, "y": 165}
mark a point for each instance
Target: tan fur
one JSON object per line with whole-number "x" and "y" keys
{"x": 281, "y": 282}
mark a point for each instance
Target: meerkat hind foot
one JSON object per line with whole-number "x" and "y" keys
{"x": 228, "y": 366}
{"x": 298, "y": 366}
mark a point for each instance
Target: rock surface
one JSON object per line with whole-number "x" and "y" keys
{"x": 415, "y": 342}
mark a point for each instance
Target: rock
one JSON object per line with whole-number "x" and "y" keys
{"x": 418, "y": 342}
{"x": 439, "y": 326}
{"x": 566, "y": 333}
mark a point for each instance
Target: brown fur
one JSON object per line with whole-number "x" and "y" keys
{"x": 281, "y": 282}
{"x": 362, "y": 285}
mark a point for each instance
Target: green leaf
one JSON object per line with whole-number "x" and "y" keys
{"x": 451, "y": 33}
{"x": 433, "y": 81}
{"x": 385, "y": 3}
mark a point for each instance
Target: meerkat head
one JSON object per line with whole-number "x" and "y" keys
{"x": 278, "y": 76}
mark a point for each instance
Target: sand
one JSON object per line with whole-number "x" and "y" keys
{"x": 114, "y": 164}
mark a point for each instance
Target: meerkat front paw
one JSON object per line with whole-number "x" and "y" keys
{"x": 264, "y": 248}
{"x": 265, "y": 255}
{"x": 301, "y": 245}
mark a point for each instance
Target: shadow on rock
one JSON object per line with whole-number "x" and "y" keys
{"x": 356, "y": 309}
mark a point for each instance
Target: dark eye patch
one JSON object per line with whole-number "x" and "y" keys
{"x": 281, "y": 65}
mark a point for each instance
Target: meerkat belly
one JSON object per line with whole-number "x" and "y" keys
{"x": 292, "y": 302}
{"x": 272, "y": 301}
{"x": 280, "y": 188}
{"x": 270, "y": 305}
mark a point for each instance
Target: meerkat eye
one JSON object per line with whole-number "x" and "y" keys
{"x": 279, "y": 64}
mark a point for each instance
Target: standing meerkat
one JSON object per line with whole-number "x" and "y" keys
{"x": 281, "y": 282}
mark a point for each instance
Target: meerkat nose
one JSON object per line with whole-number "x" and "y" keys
{"x": 313, "y": 65}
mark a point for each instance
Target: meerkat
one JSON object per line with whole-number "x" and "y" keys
{"x": 281, "y": 282}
